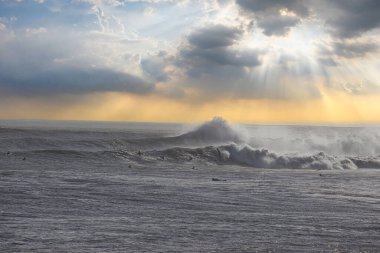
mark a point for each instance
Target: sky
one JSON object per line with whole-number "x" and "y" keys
{"x": 258, "y": 61}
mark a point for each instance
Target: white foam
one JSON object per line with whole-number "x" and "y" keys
{"x": 262, "y": 158}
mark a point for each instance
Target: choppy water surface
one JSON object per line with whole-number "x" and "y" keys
{"x": 71, "y": 187}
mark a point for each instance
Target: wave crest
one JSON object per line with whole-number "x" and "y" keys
{"x": 216, "y": 131}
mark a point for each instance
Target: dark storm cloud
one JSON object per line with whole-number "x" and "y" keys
{"x": 73, "y": 81}
{"x": 268, "y": 17}
{"x": 212, "y": 61}
{"x": 211, "y": 50}
{"x": 269, "y": 6}
{"x": 351, "y": 18}
{"x": 277, "y": 25}
{"x": 215, "y": 36}
{"x": 221, "y": 57}
{"x": 344, "y": 18}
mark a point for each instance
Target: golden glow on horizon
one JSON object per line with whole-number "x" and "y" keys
{"x": 332, "y": 107}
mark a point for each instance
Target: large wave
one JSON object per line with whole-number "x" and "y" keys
{"x": 216, "y": 141}
{"x": 262, "y": 158}
{"x": 228, "y": 145}
{"x": 216, "y": 131}
{"x": 257, "y": 158}
{"x": 211, "y": 133}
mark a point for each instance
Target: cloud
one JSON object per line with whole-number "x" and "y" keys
{"x": 278, "y": 25}
{"x": 102, "y": 2}
{"x": 212, "y": 62}
{"x": 148, "y": 11}
{"x": 327, "y": 61}
{"x": 297, "y": 6}
{"x": 343, "y": 19}
{"x": 330, "y": 52}
{"x": 35, "y": 31}
{"x": 73, "y": 81}
{"x": 212, "y": 46}
{"x": 349, "y": 19}
{"x": 215, "y": 63}
{"x": 356, "y": 87}
{"x": 60, "y": 62}
{"x": 275, "y": 17}
{"x": 199, "y": 58}
{"x": 354, "y": 49}
{"x": 154, "y": 67}
{"x": 214, "y": 36}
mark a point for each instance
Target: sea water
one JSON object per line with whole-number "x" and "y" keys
{"x": 215, "y": 187}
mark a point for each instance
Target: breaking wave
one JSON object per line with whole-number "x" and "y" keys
{"x": 258, "y": 158}
{"x": 236, "y": 151}
{"x": 215, "y": 131}
{"x": 216, "y": 141}
{"x": 265, "y": 159}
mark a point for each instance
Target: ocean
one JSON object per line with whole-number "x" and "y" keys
{"x": 213, "y": 187}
